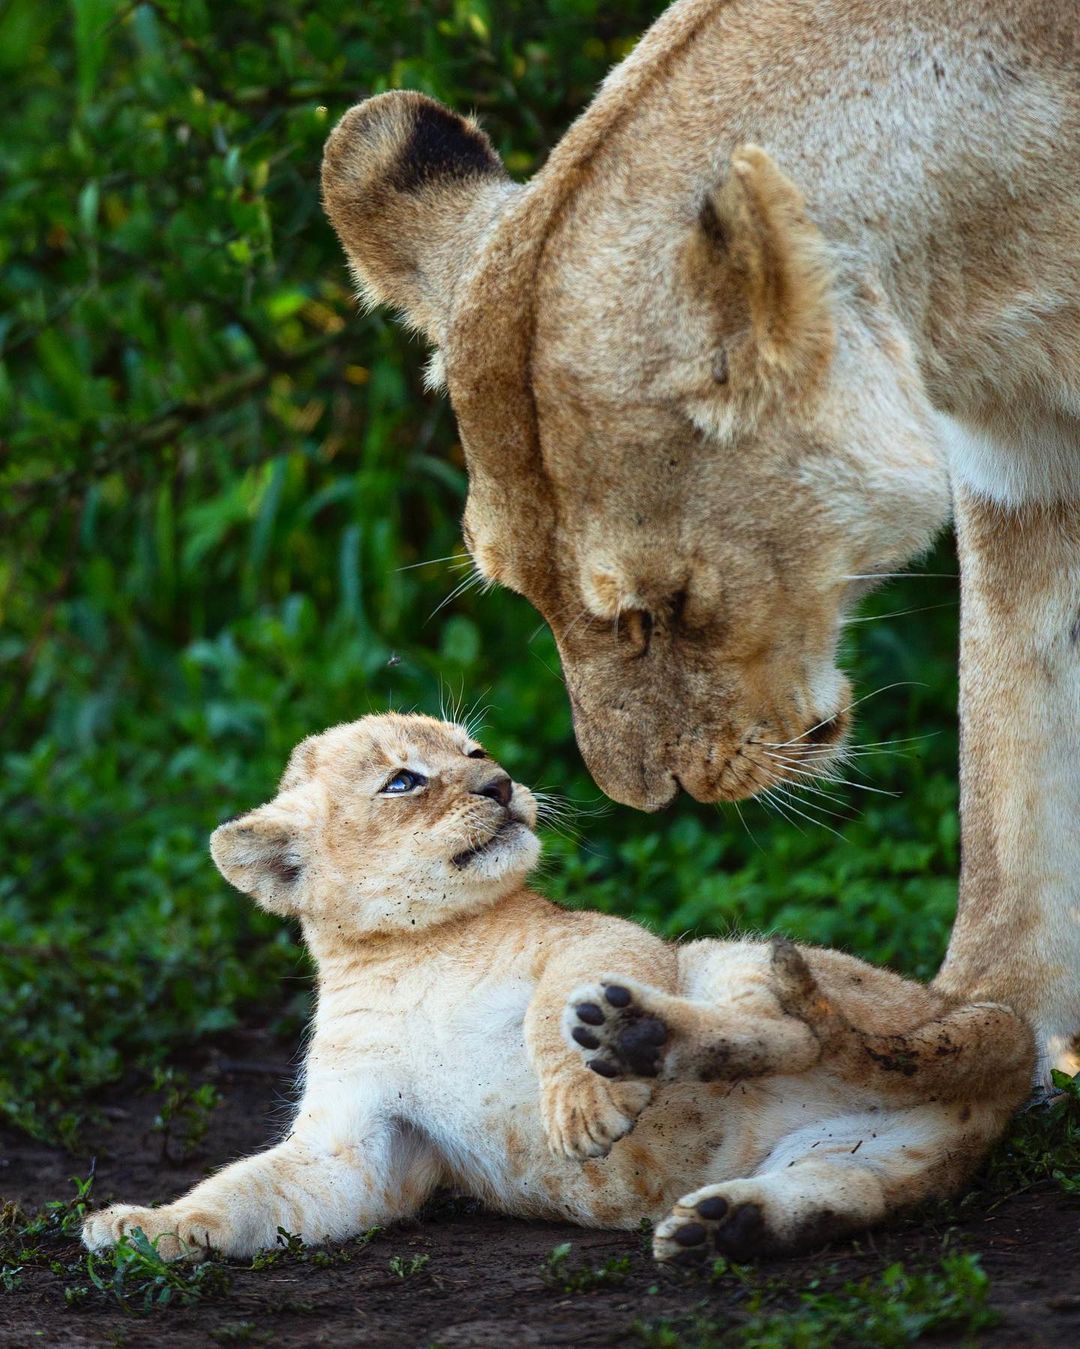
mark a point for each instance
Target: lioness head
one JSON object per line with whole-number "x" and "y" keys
{"x": 390, "y": 823}
{"x": 693, "y": 426}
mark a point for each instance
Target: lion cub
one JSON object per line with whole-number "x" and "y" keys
{"x": 471, "y": 1034}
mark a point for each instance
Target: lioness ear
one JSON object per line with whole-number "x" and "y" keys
{"x": 263, "y": 854}
{"x": 775, "y": 258}
{"x": 408, "y": 185}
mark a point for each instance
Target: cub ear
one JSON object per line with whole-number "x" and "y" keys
{"x": 408, "y": 185}
{"x": 263, "y": 854}
{"x": 775, "y": 264}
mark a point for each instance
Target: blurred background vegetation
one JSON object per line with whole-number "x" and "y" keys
{"x": 220, "y": 488}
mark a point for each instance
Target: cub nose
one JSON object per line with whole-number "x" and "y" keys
{"x": 498, "y": 789}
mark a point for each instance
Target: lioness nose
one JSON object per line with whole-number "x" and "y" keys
{"x": 498, "y": 789}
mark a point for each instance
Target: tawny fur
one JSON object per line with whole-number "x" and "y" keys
{"x": 797, "y": 263}
{"x": 801, "y": 1093}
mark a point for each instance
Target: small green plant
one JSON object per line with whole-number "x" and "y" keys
{"x": 136, "y": 1275}
{"x": 10, "y": 1277}
{"x": 1043, "y": 1144}
{"x": 557, "y": 1272}
{"x": 290, "y": 1246}
{"x": 184, "y": 1116}
{"x": 63, "y": 1217}
{"x": 238, "y": 1332}
{"x": 896, "y": 1308}
{"x": 406, "y": 1268}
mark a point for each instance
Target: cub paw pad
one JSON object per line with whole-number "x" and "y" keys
{"x": 629, "y": 1038}
{"x": 715, "y": 1227}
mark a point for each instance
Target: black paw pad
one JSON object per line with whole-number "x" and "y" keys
{"x": 603, "y": 1067}
{"x": 691, "y": 1258}
{"x": 585, "y": 1038}
{"x": 590, "y": 1013}
{"x": 617, "y": 995}
{"x": 741, "y": 1235}
{"x": 640, "y": 1043}
{"x": 712, "y": 1209}
{"x": 690, "y": 1234}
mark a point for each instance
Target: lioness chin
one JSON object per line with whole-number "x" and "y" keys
{"x": 471, "y": 1034}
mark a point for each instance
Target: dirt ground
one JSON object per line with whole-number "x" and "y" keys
{"x": 482, "y": 1283}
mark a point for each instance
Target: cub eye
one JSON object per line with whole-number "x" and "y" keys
{"x": 478, "y": 754}
{"x": 403, "y": 782}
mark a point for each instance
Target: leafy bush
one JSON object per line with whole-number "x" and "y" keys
{"x": 221, "y": 494}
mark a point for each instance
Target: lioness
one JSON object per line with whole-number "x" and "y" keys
{"x": 729, "y": 407}
{"x": 789, "y": 1095}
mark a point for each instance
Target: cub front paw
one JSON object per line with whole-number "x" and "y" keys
{"x": 175, "y": 1235}
{"x": 585, "y": 1115}
{"x": 616, "y": 1029}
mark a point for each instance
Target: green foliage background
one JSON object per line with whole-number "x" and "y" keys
{"x": 216, "y": 485}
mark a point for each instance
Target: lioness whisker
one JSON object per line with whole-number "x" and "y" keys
{"x": 457, "y": 559}
{"x": 813, "y": 819}
{"x": 905, "y": 575}
{"x": 790, "y": 790}
{"x": 830, "y": 777}
{"x": 900, "y": 683}
{"x": 899, "y": 613}
{"x": 473, "y": 579}
{"x": 742, "y": 821}
{"x": 817, "y": 791}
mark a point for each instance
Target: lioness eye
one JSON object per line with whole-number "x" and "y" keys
{"x": 479, "y": 754}
{"x": 402, "y": 782}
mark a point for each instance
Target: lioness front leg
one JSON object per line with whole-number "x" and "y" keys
{"x": 829, "y": 1179}
{"x": 583, "y": 1113}
{"x": 321, "y": 1194}
{"x": 1016, "y": 939}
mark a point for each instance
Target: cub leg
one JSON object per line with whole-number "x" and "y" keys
{"x": 322, "y": 1194}
{"x": 775, "y": 1018}
{"x": 967, "y": 1051}
{"x": 584, "y": 1113}
{"x": 629, "y": 1030}
{"x": 825, "y": 1180}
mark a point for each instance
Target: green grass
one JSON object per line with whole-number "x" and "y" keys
{"x": 221, "y": 481}
{"x": 895, "y": 1308}
{"x": 219, "y": 484}
{"x": 562, "y": 1275}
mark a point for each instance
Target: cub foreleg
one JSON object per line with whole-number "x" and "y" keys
{"x": 320, "y": 1193}
{"x": 585, "y": 1113}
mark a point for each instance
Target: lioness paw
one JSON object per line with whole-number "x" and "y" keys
{"x": 584, "y": 1115}
{"x": 613, "y": 1025}
{"x": 175, "y": 1235}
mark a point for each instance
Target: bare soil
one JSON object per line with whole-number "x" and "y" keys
{"x": 482, "y": 1283}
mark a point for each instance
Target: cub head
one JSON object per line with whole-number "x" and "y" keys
{"x": 387, "y": 824}
{"x": 694, "y": 427}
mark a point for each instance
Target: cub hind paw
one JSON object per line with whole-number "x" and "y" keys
{"x": 615, "y": 1028}
{"x": 711, "y": 1223}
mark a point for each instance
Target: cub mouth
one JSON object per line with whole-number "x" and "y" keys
{"x": 505, "y": 832}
